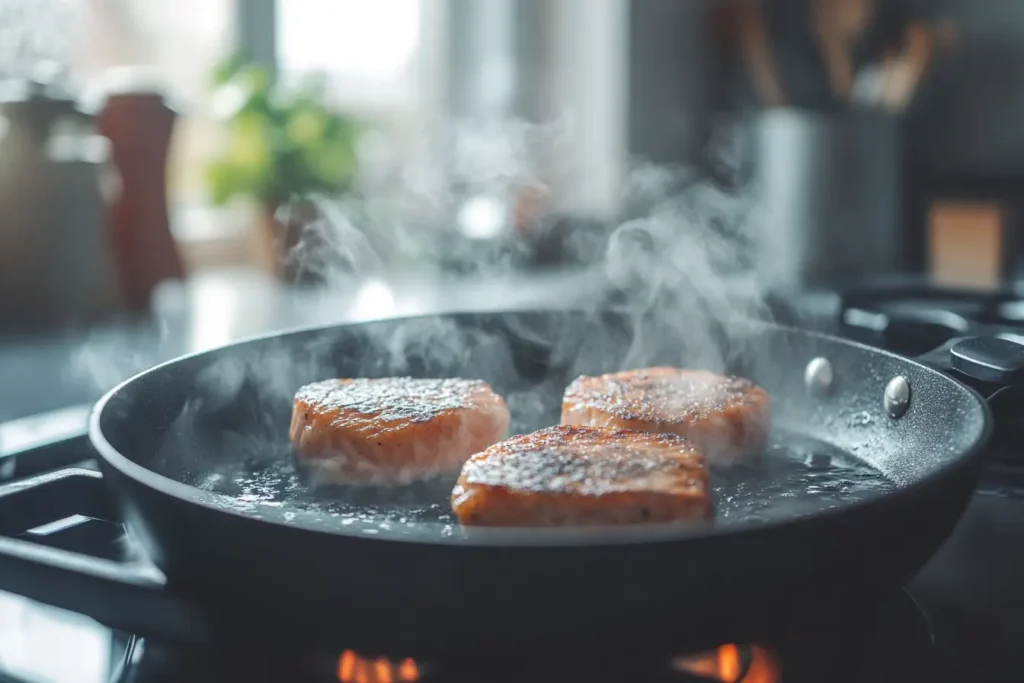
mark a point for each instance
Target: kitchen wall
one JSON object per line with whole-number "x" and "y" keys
{"x": 970, "y": 114}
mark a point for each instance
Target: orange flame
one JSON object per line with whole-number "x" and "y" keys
{"x": 726, "y": 664}
{"x": 408, "y": 671}
{"x": 353, "y": 668}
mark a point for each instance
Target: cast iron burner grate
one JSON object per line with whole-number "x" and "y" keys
{"x": 911, "y": 319}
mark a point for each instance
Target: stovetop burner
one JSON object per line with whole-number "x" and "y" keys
{"x": 913, "y": 319}
{"x": 899, "y": 647}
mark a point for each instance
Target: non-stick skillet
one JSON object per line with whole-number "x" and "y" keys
{"x": 195, "y": 453}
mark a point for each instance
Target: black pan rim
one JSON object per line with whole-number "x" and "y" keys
{"x": 309, "y": 521}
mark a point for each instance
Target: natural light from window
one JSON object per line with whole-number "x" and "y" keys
{"x": 358, "y": 40}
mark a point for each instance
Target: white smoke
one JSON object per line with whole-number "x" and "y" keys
{"x": 689, "y": 265}
{"x": 680, "y": 269}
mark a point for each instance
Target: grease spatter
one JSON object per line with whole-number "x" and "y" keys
{"x": 861, "y": 419}
{"x": 803, "y": 478}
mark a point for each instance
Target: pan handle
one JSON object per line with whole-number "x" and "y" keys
{"x": 987, "y": 364}
{"x": 994, "y": 367}
{"x": 114, "y": 593}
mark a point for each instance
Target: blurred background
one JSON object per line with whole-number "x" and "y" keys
{"x": 177, "y": 175}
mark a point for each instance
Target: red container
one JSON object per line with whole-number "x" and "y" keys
{"x": 139, "y": 123}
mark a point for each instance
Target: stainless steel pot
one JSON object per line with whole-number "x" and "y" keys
{"x": 830, "y": 187}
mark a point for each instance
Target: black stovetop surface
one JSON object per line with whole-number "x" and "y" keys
{"x": 961, "y": 618}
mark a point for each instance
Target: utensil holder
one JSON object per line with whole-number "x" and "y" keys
{"x": 831, "y": 188}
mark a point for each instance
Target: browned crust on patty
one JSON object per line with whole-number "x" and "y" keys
{"x": 572, "y": 475}
{"x": 726, "y": 417}
{"x": 393, "y": 429}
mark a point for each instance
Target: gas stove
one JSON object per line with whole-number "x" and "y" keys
{"x": 961, "y": 618}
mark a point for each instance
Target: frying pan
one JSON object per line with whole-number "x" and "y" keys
{"x": 218, "y": 562}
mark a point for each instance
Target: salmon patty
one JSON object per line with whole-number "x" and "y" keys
{"x": 569, "y": 475}
{"x": 393, "y": 430}
{"x": 725, "y": 417}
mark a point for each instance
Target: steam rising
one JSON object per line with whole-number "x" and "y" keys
{"x": 680, "y": 268}
{"x": 685, "y": 257}
{"x": 687, "y": 265}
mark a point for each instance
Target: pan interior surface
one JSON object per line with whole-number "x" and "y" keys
{"x": 793, "y": 476}
{"x": 214, "y": 426}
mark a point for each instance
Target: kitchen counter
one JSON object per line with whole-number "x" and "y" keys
{"x": 49, "y": 372}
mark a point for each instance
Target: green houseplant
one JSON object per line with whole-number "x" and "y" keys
{"x": 279, "y": 146}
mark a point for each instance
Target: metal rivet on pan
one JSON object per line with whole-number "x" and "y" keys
{"x": 897, "y": 397}
{"x": 818, "y": 377}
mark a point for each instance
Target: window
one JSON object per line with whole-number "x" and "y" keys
{"x": 372, "y": 53}
{"x": 183, "y": 39}
{"x": 369, "y": 51}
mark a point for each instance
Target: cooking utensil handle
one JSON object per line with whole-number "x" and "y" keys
{"x": 986, "y": 363}
{"x": 994, "y": 367}
{"x": 111, "y": 592}
{"x": 759, "y": 54}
